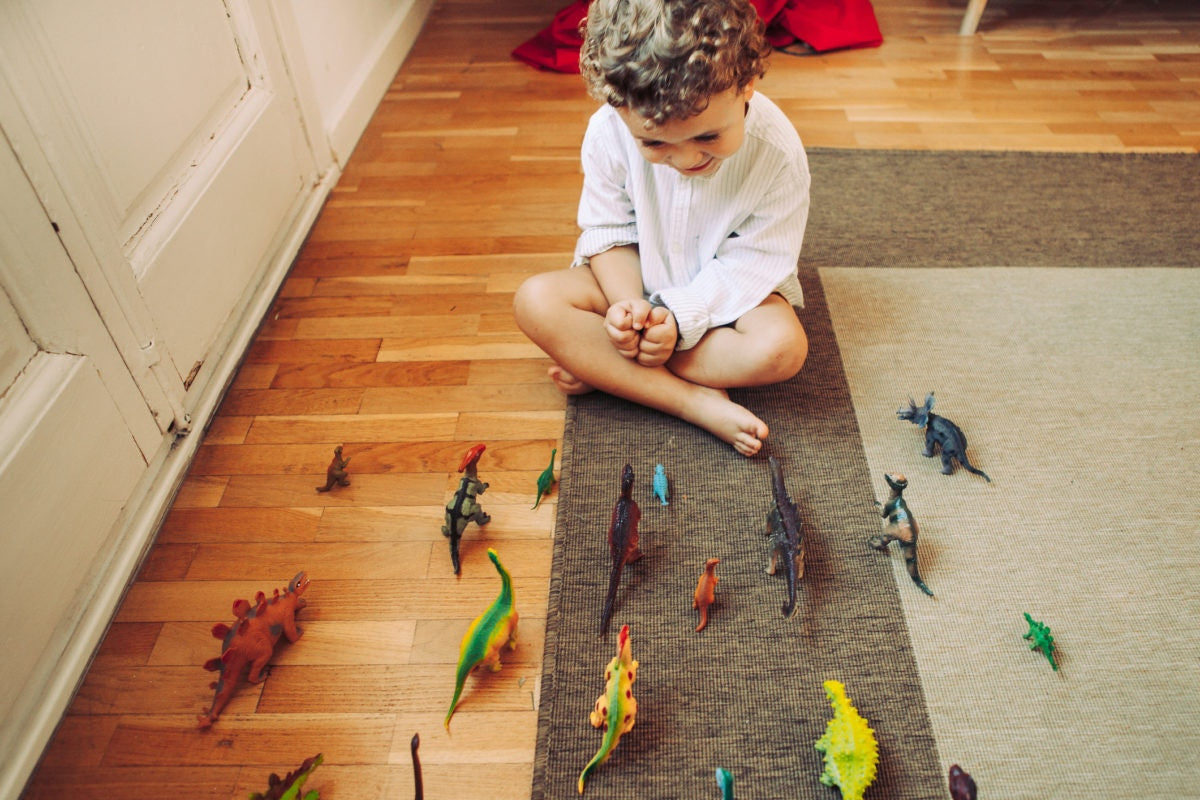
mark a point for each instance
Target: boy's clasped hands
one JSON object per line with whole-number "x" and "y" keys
{"x": 642, "y": 332}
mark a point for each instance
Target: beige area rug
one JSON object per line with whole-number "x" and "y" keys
{"x": 1079, "y": 392}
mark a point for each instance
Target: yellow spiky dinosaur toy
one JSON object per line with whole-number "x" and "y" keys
{"x": 616, "y": 709}
{"x": 851, "y": 754}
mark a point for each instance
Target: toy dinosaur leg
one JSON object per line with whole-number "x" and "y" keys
{"x": 258, "y": 668}
{"x": 947, "y": 463}
{"x": 291, "y": 630}
{"x": 930, "y": 442}
{"x": 772, "y": 561}
{"x": 480, "y": 518}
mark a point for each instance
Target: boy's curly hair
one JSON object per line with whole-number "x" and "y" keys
{"x": 664, "y": 59}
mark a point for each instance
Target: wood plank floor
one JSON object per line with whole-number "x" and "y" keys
{"x": 393, "y": 335}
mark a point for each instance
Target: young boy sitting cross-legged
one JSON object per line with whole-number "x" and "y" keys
{"x": 695, "y": 198}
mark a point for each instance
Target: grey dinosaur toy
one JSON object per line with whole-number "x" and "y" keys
{"x": 940, "y": 433}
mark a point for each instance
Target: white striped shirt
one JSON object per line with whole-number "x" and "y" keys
{"x": 711, "y": 248}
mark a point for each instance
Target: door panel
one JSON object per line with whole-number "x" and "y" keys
{"x": 171, "y": 131}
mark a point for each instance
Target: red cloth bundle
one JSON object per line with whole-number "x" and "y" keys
{"x": 823, "y": 25}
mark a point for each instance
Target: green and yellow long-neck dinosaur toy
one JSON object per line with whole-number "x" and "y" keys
{"x": 490, "y": 631}
{"x": 851, "y": 754}
{"x": 616, "y": 709}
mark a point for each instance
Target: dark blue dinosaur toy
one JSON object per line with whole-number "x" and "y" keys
{"x": 940, "y": 433}
{"x": 785, "y": 532}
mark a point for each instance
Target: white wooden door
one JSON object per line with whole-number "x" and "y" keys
{"x": 170, "y": 150}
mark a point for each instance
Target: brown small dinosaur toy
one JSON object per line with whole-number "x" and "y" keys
{"x": 251, "y": 640}
{"x": 706, "y": 591}
{"x": 336, "y": 474}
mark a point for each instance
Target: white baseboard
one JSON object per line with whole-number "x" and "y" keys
{"x": 363, "y": 92}
{"x": 135, "y": 530}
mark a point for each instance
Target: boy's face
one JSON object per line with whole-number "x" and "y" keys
{"x": 695, "y": 146}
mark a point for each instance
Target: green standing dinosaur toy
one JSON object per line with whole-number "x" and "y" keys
{"x": 546, "y": 479}
{"x": 851, "y": 754}
{"x": 491, "y": 630}
{"x": 616, "y": 709}
{"x": 1039, "y": 634}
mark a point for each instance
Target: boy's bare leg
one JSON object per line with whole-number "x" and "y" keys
{"x": 563, "y": 313}
{"x": 767, "y": 345}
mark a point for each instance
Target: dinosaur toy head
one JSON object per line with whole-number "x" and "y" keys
{"x": 897, "y": 481}
{"x": 917, "y": 415}
{"x": 472, "y": 456}
{"x": 627, "y": 482}
{"x": 296, "y": 586}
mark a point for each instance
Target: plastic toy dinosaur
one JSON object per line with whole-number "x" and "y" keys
{"x": 545, "y": 480}
{"x": 290, "y": 786}
{"x": 463, "y": 508}
{"x": 706, "y": 591}
{"x": 335, "y": 474}
{"x": 622, "y": 542}
{"x": 940, "y": 433}
{"x": 899, "y": 525}
{"x": 418, "y": 782}
{"x": 725, "y": 783}
{"x": 1039, "y": 634}
{"x": 851, "y": 754}
{"x": 250, "y": 641}
{"x": 962, "y": 786}
{"x": 660, "y": 483}
{"x": 616, "y": 709}
{"x": 785, "y": 532}
{"x": 490, "y": 631}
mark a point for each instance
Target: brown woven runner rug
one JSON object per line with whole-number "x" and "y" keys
{"x": 744, "y": 694}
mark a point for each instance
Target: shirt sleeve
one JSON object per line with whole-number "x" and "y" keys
{"x": 758, "y": 258}
{"x": 606, "y": 216}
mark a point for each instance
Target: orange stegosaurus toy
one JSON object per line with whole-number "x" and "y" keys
{"x": 251, "y": 640}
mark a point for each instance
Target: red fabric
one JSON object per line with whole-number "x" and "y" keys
{"x": 821, "y": 24}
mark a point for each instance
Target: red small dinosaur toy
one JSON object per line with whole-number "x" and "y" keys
{"x": 251, "y": 640}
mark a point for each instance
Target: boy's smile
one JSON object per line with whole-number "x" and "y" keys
{"x": 695, "y": 146}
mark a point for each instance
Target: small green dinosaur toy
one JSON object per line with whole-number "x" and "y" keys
{"x": 616, "y": 709}
{"x": 851, "y": 754}
{"x": 546, "y": 479}
{"x": 489, "y": 632}
{"x": 1039, "y": 634}
{"x": 289, "y": 787}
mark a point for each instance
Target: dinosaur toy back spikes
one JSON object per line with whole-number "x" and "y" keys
{"x": 490, "y": 631}
{"x": 851, "y": 753}
{"x": 622, "y": 542}
{"x": 463, "y": 508}
{"x": 616, "y": 709}
{"x": 940, "y": 432}
{"x": 784, "y": 529}
{"x": 250, "y": 641}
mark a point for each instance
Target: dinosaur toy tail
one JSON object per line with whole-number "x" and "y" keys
{"x": 967, "y": 466}
{"x": 416, "y": 762}
{"x": 614, "y": 581}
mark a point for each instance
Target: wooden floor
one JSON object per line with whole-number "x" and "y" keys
{"x": 393, "y": 335}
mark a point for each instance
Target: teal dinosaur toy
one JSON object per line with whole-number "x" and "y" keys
{"x": 289, "y": 787}
{"x": 725, "y": 783}
{"x": 490, "y": 631}
{"x": 616, "y": 709}
{"x": 546, "y": 479}
{"x": 851, "y": 754}
{"x": 1039, "y": 634}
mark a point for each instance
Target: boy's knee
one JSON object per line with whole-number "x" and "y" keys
{"x": 787, "y": 354}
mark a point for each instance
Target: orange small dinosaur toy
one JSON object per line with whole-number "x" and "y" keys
{"x": 251, "y": 640}
{"x": 706, "y": 591}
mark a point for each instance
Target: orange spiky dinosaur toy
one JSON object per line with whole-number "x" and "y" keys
{"x": 251, "y": 640}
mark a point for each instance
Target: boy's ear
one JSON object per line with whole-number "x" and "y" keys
{"x": 748, "y": 90}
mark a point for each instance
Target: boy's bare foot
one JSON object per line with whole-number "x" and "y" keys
{"x": 566, "y": 382}
{"x": 716, "y": 413}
